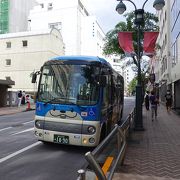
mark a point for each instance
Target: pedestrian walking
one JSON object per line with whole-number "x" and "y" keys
{"x": 19, "y": 98}
{"x": 23, "y": 97}
{"x": 28, "y": 102}
{"x": 146, "y": 100}
{"x": 168, "y": 97}
{"x": 154, "y": 102}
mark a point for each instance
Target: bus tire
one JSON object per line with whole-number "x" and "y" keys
{"x": 120, "y": 117}
{"x": 45, "y": 142}
{"x": 103, "y": 133}
{"x": 121, "y": 112}
{"x": 109, "y": 126}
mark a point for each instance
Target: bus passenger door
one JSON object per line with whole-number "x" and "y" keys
{"x": 106, "y": 110}
{"x": 114, "y": 100}
{"x": 110, "y": 110}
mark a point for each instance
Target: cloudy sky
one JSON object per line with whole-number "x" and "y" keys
{"x": 105, "y": 12}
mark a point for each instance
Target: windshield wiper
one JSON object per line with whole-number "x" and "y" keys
{"x": 55, "y": 100}
{"x": 63, "y": 101}
{"x": 77, "y": 104}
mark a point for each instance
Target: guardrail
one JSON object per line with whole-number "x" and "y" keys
{"x": 122, "y": 133}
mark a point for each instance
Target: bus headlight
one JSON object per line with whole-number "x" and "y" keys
{"x": 36, "y": 133}
{"x": 85, "y": 141}
{"x": 38, "y": 124}
{"x": 92, "y": 140}
{"x": 91, "y": 129}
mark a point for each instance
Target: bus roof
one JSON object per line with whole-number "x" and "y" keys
{"x": 82, "y": 58}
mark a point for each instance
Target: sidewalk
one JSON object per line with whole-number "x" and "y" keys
{"x": 14, "y": 110}
{"x": 153, "y": 154}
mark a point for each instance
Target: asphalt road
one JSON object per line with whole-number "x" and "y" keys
{"x": 22, "y": 157}
{"x": 129, "y": 104}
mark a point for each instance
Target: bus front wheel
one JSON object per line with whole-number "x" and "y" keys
{"x": 103, "y": 133}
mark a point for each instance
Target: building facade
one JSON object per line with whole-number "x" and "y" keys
{"x": 120, "y": 65}
{"x": 175, "y": 51}
{"x": 81, "y": 32}
{"x": 163, "y": 58}
{"x": 25, "y": 52}
{"x": 13, "y": 15}
{"x": 169, "y": 54}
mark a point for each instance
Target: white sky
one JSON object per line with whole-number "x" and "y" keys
{"x": 105, "y": 12}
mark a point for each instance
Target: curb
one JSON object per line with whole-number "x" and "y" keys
{"x": 15, "y": 112}
{"x": 31, "y": 109}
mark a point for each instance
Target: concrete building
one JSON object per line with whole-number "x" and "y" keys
{"x": 4, "y": 85}
{"x": 128, "y": 75}
{"x": 81, "y": 32}
{"x": 25, "y": 52}
{"x": 116, "y": 64}
{"x": 175, "y": 51}
{"x": 169, "y": 54}
{"x": 163, "y": 59}
{"x": 13, "y": 15}
{"x": 126, "y": 71}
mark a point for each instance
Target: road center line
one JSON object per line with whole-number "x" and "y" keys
{"x": 19, "y": 152}
{"x": 5, "y": 129}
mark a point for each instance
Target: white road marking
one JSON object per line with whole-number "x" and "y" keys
{"x": 28, "y": 122}
{"x": 12, "y": 127}
{"x": 19, "y": 152}
{"x": 5, "y": 129}
{"x": 27, "y": 130}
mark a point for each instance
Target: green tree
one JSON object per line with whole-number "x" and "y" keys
{"x": 111, "y": 46}
{"x": 132, "y": 86}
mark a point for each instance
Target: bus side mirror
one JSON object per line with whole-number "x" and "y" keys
{"x": 103, "y": 80}
{"x": 34, "y": 76}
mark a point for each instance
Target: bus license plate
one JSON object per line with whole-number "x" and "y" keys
{"x": 61, "y": 139}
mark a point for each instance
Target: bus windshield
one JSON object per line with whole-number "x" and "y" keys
{"x": 69, "y": 84}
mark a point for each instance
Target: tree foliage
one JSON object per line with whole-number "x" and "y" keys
{"x": 111, "y": 46}
{"x": 132, "y": 86}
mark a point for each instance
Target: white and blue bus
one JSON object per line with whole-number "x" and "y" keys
{"x": 79, "y": 100}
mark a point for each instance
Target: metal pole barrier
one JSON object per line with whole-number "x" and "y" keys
{"x": 118, "y": 140}
{"x": 95, "y": 166}
{"x": 123, "y": 148}
{"x": 82, "y": 175}
{"x": 120, "y": 155}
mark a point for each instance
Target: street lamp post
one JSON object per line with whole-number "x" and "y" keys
{"x": 139, "y": 20}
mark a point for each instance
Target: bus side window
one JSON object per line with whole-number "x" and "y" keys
{"x": 105, "y": 96}
{"x": 113, "y": 89}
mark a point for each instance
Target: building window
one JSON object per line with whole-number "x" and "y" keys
{"x": 8, "y": 44}
{"x": 50, "y": 6}
{"x": 42, "y": 5}
{"x": 8, "y": 62}
{"x": 25, "y": 43}
{"x": 57, "y": 25}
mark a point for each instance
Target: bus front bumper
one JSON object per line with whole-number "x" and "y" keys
{"x": 68, "y": 133}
